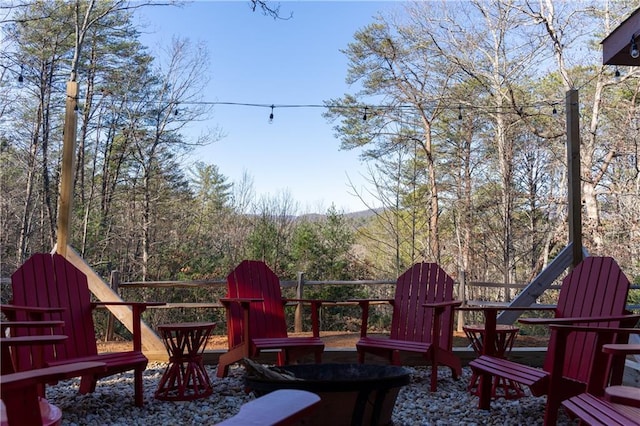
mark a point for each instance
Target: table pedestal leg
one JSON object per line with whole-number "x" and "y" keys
{"x": 184, "y": 381}
{"x": 185, "y": 378}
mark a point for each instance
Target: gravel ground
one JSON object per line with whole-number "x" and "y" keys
{"x": 451, "y": 404}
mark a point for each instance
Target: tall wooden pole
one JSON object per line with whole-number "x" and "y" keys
{"x": 66, "y": 177}
{"x": 574, "y": 185}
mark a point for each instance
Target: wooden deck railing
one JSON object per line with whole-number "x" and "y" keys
{"x": 301, "y": 283}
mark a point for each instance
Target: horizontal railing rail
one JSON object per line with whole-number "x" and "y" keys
{"x": 301, "y": 283}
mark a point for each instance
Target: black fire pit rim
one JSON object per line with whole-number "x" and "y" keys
{"x": 399, "y": 377}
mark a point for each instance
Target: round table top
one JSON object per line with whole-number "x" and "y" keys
{"x": 500, "y": 328}
{"x": 187, "y": 326}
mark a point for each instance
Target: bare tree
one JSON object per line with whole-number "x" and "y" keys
{"x": 598, "y": 150}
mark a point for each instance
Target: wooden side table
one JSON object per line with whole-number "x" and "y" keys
{"x": 185, "y": 378}
{"x": 505, "y": 336}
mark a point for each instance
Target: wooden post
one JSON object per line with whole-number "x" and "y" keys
{"x": 462, "y": 285}
{"x": 66, "y": 176}
{"x": 114, "y": 283}
{"x": 574, "y": 183}
{"x": 298, "y": 315}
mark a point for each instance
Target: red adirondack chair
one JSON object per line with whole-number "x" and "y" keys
{"x": 594, "y": 294}
{"x": 422, "y": 321}
{"x": 608, "y": 405}
{"x": 255, "y": 318}
{"x": 20, "y": 391}
{"x": 51, "y": 281}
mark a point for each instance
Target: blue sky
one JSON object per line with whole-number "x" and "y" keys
{"x": 256, "y": 59}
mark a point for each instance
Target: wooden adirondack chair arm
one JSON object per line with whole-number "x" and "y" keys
{"x": 364, "y": 304}
{"x": 316, "y": 304}
{"x": 443, "y": 304}
{"x": 48, "y": 374}
{"x": 495, "y": 308}
{"x": 142, "y": 305}
{"x": 227, "y": 300}
{"x": 137, "y": 308}
{"x": 279, "y": 408}
{"x": 570, "y": 328}
{"x": 622, "y": 348}
{"x": 310, "y": 301}
{"x": 550, "y": 321}
{"x": 369, "y": 301}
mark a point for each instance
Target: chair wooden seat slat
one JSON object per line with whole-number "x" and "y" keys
{"x": 592, "y": 410}
{"x": 395, "y": 344}
{"x": 422, "y": 321}
{"x": 592, "y": 294}
{"x": 118, "y": 362}
{"x": 276, "y": 343}
{"x": 536, "y": 379}
{"x": 256, "y": 320}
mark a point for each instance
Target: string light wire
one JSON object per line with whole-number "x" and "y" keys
{"x": 369, "y": 109}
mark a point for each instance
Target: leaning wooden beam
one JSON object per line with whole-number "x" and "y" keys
{"x": 150, "y": 341}
{"x": 540, "y": 283}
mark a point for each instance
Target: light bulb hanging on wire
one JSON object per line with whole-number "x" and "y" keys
{"x": 271, "y": 115}
{"x": 633, "y": 50}
{"x": 364, "y": 117}
{"x": 459, "y": 112}
{"x": 21, "y": 77}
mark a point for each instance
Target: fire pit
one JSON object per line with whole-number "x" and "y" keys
{"x": 351, "y": 394}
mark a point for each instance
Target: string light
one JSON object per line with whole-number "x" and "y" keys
{"x": 617, "y": 73}
{"x": 21, "y": 77}
{"x": 382, "y": 107}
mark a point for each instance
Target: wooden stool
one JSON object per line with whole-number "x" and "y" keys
{"x": 505, "y": 336}
{"x": 185, "y": 378}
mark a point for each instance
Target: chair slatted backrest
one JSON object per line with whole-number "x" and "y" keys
{"x": 51, "y": 281}
{"x": 422, "y": 283}
{"x": 254, "y": 279}
{"x": 596, "y": 287}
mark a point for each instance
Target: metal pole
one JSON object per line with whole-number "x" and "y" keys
{"x": 574, "y": 184}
